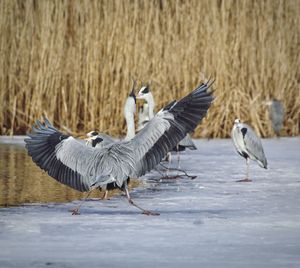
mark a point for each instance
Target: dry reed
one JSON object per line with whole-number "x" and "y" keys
{"x": 72, "y": 60}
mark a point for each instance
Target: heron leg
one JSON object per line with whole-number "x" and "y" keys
{"x": 76, "y": 211}
{"x": 178, "y": 157}
{"x": 104, "y": 197}
{"x": 169, "y": 159}
{"x": 146, "y": 212}
{"x": 247, "y": 169}
{"x": 169, "y": 163}
{"x": 247, "y": 172}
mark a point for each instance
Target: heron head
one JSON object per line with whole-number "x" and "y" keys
{"x": 144, "y": 93}
{"x": 92, "y": 134}
{"x": 93, "y": 140}
{"x": 237, "y": 121}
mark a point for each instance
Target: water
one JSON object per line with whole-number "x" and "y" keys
{"x": 21, "y": 181}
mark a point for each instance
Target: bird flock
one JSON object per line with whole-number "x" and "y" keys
{"x": 105, "y": 162}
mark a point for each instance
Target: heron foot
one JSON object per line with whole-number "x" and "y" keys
{"x": 75, "y": 211}
{"x": 170, "y": 177}
{"x": 177, "y": 177}
{"x": 144, "y": 211}
{"x": 244, "y": 180}
{"x": 150, "y": 213}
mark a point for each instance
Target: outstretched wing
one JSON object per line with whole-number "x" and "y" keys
{"x": 168, "y": 127}
{"x": 41, "y": 146}
{"x": 71, "y": 162}
{"x": 81, "y": 167}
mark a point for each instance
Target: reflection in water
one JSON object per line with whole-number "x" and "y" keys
{"x": 21, "y": 181}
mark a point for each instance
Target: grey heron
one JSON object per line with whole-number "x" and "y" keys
{"x": 248, "y": 145}
{"x": 84, "y": 168}
{"x": 100, "y": 140}
{"x": 276, "y": 115}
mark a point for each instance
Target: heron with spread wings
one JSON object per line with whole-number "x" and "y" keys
{"x": 84, "y": 168}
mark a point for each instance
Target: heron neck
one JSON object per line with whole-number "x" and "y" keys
{"x": 151, "y": 103}
{"x": 129, "y": 117}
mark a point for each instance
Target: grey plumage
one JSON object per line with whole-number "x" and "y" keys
{"x": 248, "y": 144}
{"x": 276, "y": 115}
{"x": 41, "y": 146}
{"x": 83, "y": 168}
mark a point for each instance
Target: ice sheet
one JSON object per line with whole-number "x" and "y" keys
{"x": 212, "y": 221}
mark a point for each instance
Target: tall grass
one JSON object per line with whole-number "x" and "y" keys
{"x": 72, "y": 60}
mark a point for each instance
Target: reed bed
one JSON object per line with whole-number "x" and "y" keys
{"x": 73, "y": 60}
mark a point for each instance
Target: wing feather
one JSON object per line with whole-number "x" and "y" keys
{"x": 168, "y": 128}
{"x": 81, "y": 167}
{"x": 41, "y": 146}
{"x": 253, "y": 146}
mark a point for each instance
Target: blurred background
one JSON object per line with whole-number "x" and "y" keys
{"x": 73, "y": 61}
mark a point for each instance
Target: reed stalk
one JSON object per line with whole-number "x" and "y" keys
{"x": 73, "y": 60}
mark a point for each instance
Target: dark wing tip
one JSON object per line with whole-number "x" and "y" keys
{"x": 41, "y": 144}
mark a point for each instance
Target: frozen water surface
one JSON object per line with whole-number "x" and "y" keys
{"x": 212, "y": 221}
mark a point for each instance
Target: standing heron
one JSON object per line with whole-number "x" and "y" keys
{"x": 248, "y": 145}
{"x": 85, "y": 168}
{"x": 276, "y": 115}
